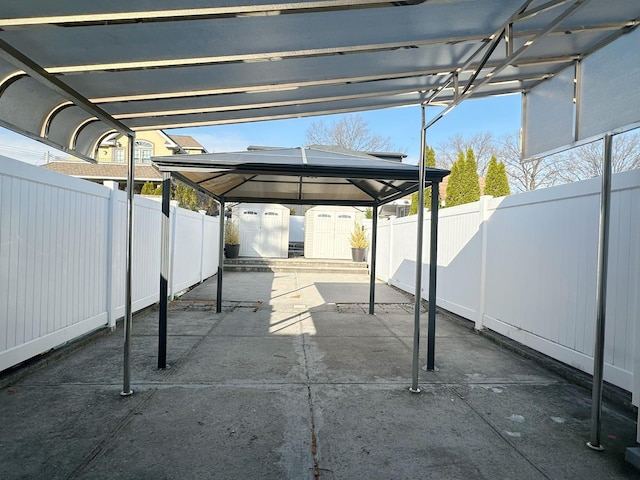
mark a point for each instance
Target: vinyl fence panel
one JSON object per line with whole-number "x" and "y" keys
{"x": 62, "y": 257}
{"x": 525, "y": 267}
{"x": 53, "y": 245}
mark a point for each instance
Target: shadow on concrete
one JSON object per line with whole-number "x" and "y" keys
{"x": 288, "y": 382}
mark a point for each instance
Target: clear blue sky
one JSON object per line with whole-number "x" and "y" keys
{"x": 498, "y": 115}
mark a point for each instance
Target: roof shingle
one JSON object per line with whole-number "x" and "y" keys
{"x": 106, "y": 171}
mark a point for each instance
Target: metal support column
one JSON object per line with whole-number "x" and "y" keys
{"x": 372, "y": 267}
{"x": 128, "y": 313}
{"x": 601, "y": 298}
{"x": 220, "y": 260}
{"x": 164, "y": 272}
{"x": 433, "y": 270}
{"x": 418, "y": 290}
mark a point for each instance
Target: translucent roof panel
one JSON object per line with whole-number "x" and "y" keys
{"x": 142, "y": 65}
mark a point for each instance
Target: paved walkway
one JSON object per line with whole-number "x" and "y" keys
{"x": 295, "y": 381}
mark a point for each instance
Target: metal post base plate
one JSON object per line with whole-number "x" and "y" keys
{"x": 414, "y": 390}
{"x": 597, "y": 448}
{"x": 126, "y": 394}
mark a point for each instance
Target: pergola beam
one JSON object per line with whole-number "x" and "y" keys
{"x": 186, "y": 14}
{"x": 510, "y": 59}
{"x": 35, "y": 71}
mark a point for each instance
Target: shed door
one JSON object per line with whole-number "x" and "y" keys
{"x": 249, "y": 232}
{"x": 271, "y": 234}
{"x": 323, "y": 235}
{"x": 344, "y": 227}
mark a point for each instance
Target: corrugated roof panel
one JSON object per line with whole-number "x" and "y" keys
{"x": 155, "y": 44}
{"x": 161, "y": 64}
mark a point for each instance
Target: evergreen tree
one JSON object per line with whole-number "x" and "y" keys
{"x": 496, "y": 183}
{"x": 491, "y": 180}
{"x": 454, "y": 182}
{"x": 186, "y": 196}
{"x": 413, "y": 208}
{"x": 504, "y": 189}
{"x": 471, "y": 188}
{"x": 147, "y": 188}
{"x": 158, "y": 190}
{"x": 463, "y": 184}
{"x": 430, "y": 162}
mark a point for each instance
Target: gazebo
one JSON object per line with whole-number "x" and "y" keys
{"x": 304, "y": 176}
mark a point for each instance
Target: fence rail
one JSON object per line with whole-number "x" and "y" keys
{"x": 62, "y": 257}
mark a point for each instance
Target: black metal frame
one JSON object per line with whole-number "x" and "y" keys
{"x": 426, "y": 176}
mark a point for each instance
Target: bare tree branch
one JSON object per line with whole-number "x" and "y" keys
{"x": 351, "y": 131}
{"x": 527, "y": 176}
{"x": 483, "y": 145}
{"x": 585, "y": 161}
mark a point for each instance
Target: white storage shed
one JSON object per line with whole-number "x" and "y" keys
{"x": 264, "y": 229}
{"x": 327, "y": 230}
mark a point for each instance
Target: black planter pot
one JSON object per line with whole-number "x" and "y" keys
{"x": 231, "y": 251}
{"x": 358, "y": 254}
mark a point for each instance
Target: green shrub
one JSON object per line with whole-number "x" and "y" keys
{"x": 148, "y": 189}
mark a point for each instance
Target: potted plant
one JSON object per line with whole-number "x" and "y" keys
{"x": 231, "y": 240}
{"x": 359, "y": 243}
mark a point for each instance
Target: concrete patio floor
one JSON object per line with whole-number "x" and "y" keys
{"x": 295, "y": 381}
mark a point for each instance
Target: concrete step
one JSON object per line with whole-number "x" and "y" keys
{"x": 294, "y": 264}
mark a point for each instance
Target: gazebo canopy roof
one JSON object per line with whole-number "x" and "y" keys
{"x": 308, "y": 175}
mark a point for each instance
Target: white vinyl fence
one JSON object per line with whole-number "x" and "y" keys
{"x": 525, "y": 266}
{"x": 62, "y": 257}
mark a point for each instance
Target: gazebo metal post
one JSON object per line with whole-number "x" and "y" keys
{"x": 433, "y": 270}
{"x": 164, "y": 272}
{"x": 220, "y": 259}
{"x": 418, "y": 287}
{"x": 601, "y": 298}
{"x": 372, "y": 272}
{"x": 128, "y": 314}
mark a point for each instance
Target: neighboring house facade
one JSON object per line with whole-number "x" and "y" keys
{"x": 113, "y": 154}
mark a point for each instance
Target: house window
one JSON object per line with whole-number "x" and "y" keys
{"x": 142, "y": 152}
{"x": 118, "y": 155}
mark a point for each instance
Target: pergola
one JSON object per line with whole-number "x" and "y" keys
{"x": 74, "y": 72}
